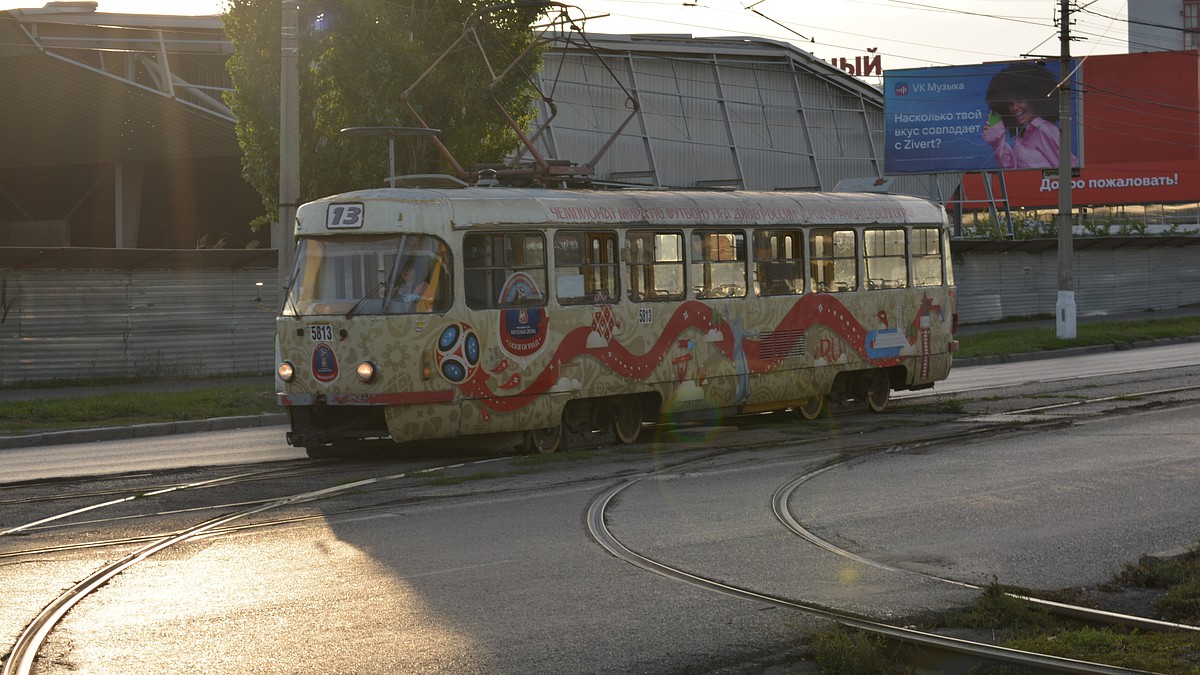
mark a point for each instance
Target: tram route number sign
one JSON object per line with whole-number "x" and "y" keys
{"x": 320, "y": 332}
{"x": 344, "y": 216}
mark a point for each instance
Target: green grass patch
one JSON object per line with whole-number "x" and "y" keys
{"x": 1170, "y": 653}
{"x": 122, "y": 408}
{"x": 1120, "y": 334}
{"x": 1000, "y": 615}
{"x": 1178, "y": 577}
{"x": 1015, "y": 623}
{"x": 845, "y": 651}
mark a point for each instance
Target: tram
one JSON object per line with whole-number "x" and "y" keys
{"x": 447, "y": 311}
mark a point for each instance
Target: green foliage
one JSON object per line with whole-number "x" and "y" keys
{"x": 1181, "y": 603}
{"x": 122, "y": 408}
{"x": 1022, "y": 229}
{"x": 845, "y": 651}
{"x": 357, "y": 59}
{"x": 1002, "y": 614}
{"x": 1117, "y": 333}
{"x": 1164, "y": 652}
{"x": 1179, "y": 577}
{"x": 1041, "y": 225}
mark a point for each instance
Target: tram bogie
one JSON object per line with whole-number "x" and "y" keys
{"x": 542, "y": 315}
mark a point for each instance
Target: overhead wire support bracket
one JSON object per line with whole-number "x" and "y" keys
{"x": 557, "y": 29}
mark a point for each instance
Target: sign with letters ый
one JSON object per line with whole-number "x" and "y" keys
{"x": 934, "y": 117}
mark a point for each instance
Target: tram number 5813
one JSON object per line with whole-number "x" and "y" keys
{"x": 320, "y": 332}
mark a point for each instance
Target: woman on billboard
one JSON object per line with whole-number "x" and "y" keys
{"x": 1023, "y": 126}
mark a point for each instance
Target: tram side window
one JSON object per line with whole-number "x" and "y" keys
{"x": 655, "y": 264}
{"x": 719, "y": 264}
{"x": 884, "y": 254}
{"x": 778, "y": 262}
{"x": 926, "y": 248}
{"x": 504, "y": 269}
{"x": 833, "y": 260}
{"x": 586, "y": 267}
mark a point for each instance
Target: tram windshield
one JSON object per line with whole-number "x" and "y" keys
{"x": 393, "y": 274}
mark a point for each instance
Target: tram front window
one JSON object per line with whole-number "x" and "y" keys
{"x": 397, "y": 274}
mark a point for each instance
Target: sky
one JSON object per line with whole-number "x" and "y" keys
{"x": 905, "y": 33}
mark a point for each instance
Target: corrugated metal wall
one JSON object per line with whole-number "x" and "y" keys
{"x": 749, "y": 114}
{"x": 71, "y": 323}
{"x": 65, "y": 324}
{"x": 999, "y": 285}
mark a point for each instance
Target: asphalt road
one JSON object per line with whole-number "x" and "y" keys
{"x": 499, "y": 574}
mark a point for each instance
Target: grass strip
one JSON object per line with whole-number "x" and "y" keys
{"x": 1120, "y": 334}
{"x": 120, "y": 408}
{"x": 999, "y": 618}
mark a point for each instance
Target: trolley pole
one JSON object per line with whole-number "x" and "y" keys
{"x": 289, "y": 136}
{"x": 1065, "y": 307}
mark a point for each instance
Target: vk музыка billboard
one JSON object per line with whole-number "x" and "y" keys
{"x": 986, "y": 117}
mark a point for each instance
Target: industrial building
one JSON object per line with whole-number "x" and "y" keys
{"x": 125, "y": 247}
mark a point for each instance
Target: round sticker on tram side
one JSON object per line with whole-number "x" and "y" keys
{"x": 458, "y": 352}
{"x": 324, "y": 363}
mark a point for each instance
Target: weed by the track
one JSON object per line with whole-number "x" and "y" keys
{"x": 1015, "y": 623}
{"x": 845, "y": 651}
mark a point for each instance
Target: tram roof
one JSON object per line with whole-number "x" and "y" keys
{"x": 493, "y": 206}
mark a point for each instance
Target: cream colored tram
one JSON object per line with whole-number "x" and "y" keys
{"x": 436, "y": 313}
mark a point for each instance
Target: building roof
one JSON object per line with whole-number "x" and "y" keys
{"x": 85, "y": 87}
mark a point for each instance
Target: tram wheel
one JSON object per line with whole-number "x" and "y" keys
{"x": 879, "y": 391}
{"x": 627, "y": 419}
{"x": 546, "y": 440}
{"x": 811, "y": 409}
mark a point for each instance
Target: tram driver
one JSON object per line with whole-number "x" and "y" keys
{"x": 412, "y": 290}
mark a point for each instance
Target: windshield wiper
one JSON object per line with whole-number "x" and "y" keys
{"x": 366, "y": 296}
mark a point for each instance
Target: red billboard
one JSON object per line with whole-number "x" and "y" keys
{"x": 1141, "y": 137}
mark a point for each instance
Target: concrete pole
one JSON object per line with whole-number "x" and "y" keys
{"x": 289, "y": 137}
{"x": 1065, "y": 307}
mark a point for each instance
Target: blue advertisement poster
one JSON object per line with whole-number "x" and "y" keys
{"x": 985, "y": 117}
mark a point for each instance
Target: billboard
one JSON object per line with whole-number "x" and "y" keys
{"x": 985, "y": 117}
{"x": 1142, "y": 125}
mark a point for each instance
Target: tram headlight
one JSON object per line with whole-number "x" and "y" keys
{"x": 286, "y": 371}
{"x": 365, "y": 371}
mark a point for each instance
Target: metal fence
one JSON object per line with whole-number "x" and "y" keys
{"x": 1112, "y": 275}
{"x": 69, "y": 313}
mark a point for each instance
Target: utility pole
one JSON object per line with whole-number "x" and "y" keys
{"x": 289, "y": 137}
{"x": 1065, "y": 307}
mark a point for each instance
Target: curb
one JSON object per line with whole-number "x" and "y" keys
{"x": 141, "y": 431}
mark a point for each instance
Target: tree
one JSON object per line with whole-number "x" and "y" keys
{"x": 357, "y": 59}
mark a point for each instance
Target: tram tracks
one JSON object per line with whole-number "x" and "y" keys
{"x": 779, "y": 501}
{"x": 926, "y": 642}
{"x": 980, "y": 652}
{"x": 24, "y": 652}
{"x": 20, "y": 660}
